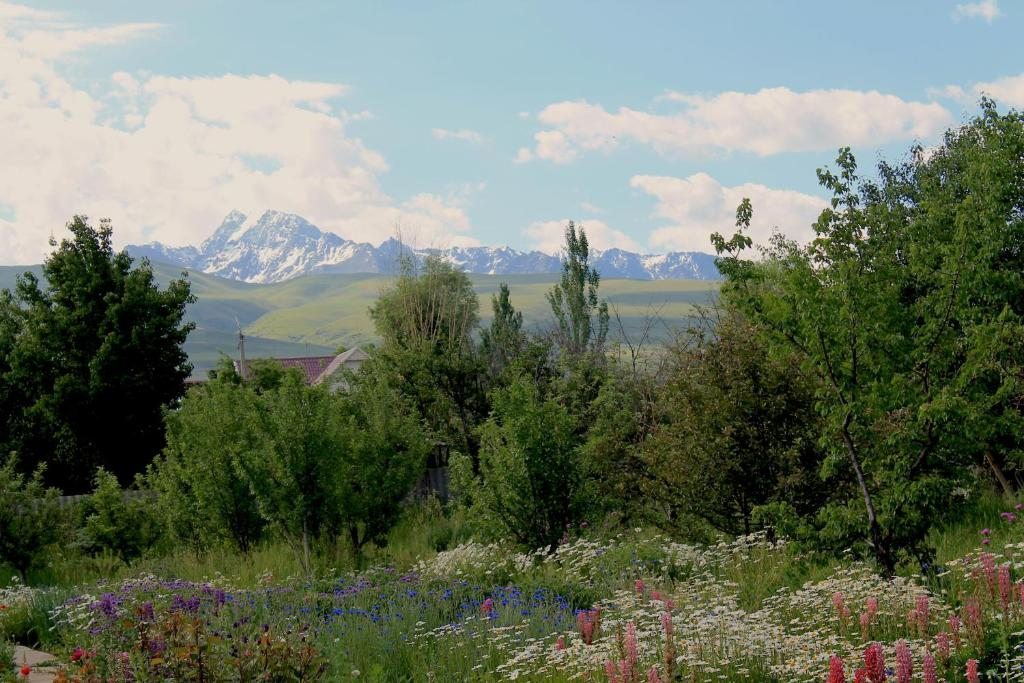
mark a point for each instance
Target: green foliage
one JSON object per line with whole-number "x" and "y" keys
{"x": 581, "y": 320}
{"x": 110, "y": 522}
{"x": 907, "y": 307}
{"x": 202, "y": 496}
{"x": 89, "y": 362}
{"x": 503, "y": 342}
{"x": 739, "y": 431}
{"x": 30, "y": 519}
{"x": 426, "y": 321}
{"x": 294, "y": 474}
{"x": 529, "y": 486}
{"x": 385, "y": 454}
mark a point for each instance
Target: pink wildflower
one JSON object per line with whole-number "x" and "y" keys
{"x": 1008, "y": 516}
{"x": 988, "y": 566}
{"x": 656, "y": 595}
{"x": 954, "y": 629}
{"x": 1005, "y": 586}
{"x": 1018, "y": 507}
{"x": 928, "y": 667}
{"x": 904, "y": 662}
{"x": 609, "y": 668}
{"x": 973, "y": 620}
{"x": 560, "y": 643}
{"x": 942, "y": 646}
{"x": 632, "y": 653}
{"x": 865, "y": 623}
{"x": 666, "y": 624}
{"x": 972, "y": 671}
{"x": 922, "y": 609}
{"x": 874, "y": 662}
{"x": 487, "y": 607}
{"x": 840, "y": 604}
{"x": 836, "y": 674}
{"x": 872, "y": 607}
{"x": 640, "y": 587}
{"x": 860, "y": 675}
{"x": 652, "y": 676}
{"x": 589, "y": 624}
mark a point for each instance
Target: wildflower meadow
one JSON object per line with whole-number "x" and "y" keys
{"x": 631, "y": 607}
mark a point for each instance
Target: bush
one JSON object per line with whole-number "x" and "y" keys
{"x": 30, "y": 518}
{"x": 112, "y": 523}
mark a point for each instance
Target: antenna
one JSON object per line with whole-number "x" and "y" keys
{"x": 242, "y": 370}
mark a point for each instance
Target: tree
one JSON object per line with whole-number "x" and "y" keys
{"x": 294, "y": 473}
{"x": 581, "y": 319}
{"x": 739, "y": 430}
{"x": 504, "y": 341}
{"x": 386, "y": 455}
{"x": 203, "y": 496}
{"x": 529, "y": 484}
{"x": 426, "y": 321}
{"x": 908, "y": 308}
{"x": 90, "y": 361}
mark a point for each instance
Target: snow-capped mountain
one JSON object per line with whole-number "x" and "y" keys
{"x": 279, "y": 246}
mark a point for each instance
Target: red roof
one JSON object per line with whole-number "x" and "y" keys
{"x": 311, "y": 366}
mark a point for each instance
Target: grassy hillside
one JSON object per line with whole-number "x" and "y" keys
{"x": 316, "y": 313}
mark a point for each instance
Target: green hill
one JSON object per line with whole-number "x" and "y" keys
{"x": 316, "y": 313}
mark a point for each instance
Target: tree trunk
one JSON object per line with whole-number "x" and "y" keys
{"x": 883, "y": 553}
{"x": 999, "y": 475}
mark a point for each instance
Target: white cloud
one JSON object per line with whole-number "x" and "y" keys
{"x": 766, "y": 122}
{"x": 984, "y": 9}
{"x": 165, "y": 158}
{"x": 1008, "y": 91}
{"x": 549, "y": 236}
{"x": 699, "y": 205}
{"x": 523, "y": 155}
{"x": 591, "y": 208}
{"x": 464, "y": 134}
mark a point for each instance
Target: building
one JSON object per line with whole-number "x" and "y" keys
{"x": 320, "y": 369}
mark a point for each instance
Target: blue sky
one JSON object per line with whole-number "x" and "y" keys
{"x": 473, "y": 123}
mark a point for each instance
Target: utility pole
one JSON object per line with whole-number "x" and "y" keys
{"x": 242, "y": 370}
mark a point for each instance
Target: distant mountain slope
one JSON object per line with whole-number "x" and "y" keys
{"x": 314, "y": 314}
{"x": 280, "y": 246}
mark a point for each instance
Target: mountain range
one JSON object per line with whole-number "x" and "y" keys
{"x": 280, "y": 246}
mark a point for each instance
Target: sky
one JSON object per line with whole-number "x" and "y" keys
{"x": 474, "y": 123}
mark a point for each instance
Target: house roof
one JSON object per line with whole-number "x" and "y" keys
{"x": 311, "y": 366}
{"x": 353, "y": 355}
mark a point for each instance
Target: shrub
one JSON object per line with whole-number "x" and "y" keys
{"x": 30, "y": 518}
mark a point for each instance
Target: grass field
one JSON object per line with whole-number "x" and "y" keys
{"x": 317, "y": 313}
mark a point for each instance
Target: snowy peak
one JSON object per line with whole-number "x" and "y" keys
{"x": 279, "y": 246}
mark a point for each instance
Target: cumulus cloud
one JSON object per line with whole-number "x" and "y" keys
{"x": 699, "y": 205}
{"x": 984, "y": 9}
{"x": 463, "y": 134}
{"x": 549, "y": 236}
{"x": 165, "y": 158}
{"x": 769, "y": 121}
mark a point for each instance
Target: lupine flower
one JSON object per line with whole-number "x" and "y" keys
{"x": 972, "y": 617}
{"x": 972, "y": 671}
{"x": 942, "y": 646}
{"x": 1005, "y": 586}
{"x": 904, "y": 662}
{"x": 874, "y": 662}
{"x": 928, "y": 667}
{"x": 836, "y": 674}
{"x": 988, "y": 566}
{"x": 954, "y": 630}
{"x": 922, "y": 609}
